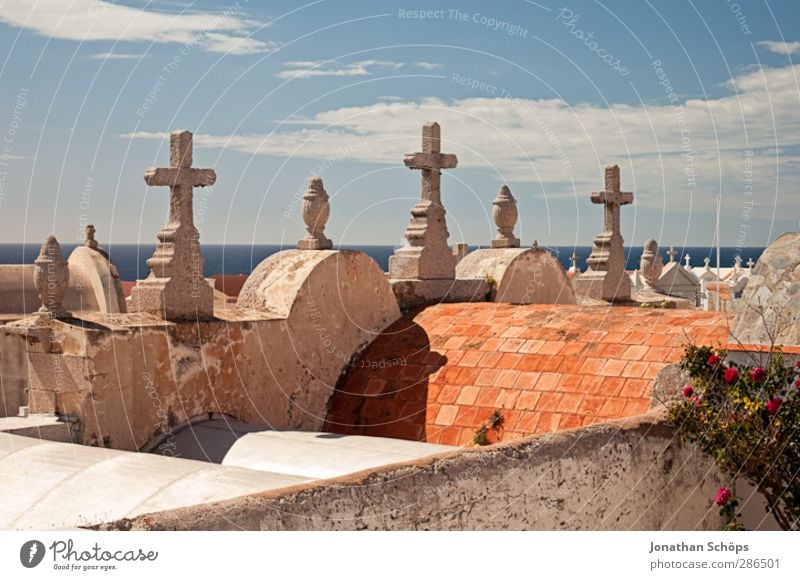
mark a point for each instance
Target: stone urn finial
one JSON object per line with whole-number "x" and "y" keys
{"x": 316, "y": 210}
{"x": 505, "y": 215}
{"x": 51, "y": 277}
{"x": 650, "y": 264}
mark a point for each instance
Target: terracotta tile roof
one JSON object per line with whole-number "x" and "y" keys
{"x": 439, "y": 374}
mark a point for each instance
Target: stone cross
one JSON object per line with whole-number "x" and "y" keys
{"x": 672, "y": 253}
{"x": 612, "y": 198}
{"x": 606, "y": 278}
{"x": 750, "y": 264}
{"x": 737, "y": 262}
{"x": 687, "y": 258}
{"x": 426, "y": 254}
{"x": 176, "y": 288}
{"x": 431, "y": 161}
{"x": 573, "y": 261}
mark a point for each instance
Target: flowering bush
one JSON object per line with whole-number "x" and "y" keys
{"x": 748, "y": 420}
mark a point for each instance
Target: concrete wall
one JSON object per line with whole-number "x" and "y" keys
{"x": 629, "y": 474}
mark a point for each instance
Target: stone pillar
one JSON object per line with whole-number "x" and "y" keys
{"x": 460, "y": 251}
{"x": 51, "y": 278}
{"x": 316, "y": 210}
{"x": 505, "y": 213}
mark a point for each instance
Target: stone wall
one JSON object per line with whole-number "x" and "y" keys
{"x": 130, "y": 378}
{"x": 629, "y": 474}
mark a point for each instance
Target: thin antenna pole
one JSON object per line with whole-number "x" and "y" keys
{"x": 719, "y": 280}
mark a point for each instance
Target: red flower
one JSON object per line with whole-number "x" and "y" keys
{"x": 758, "y": 375}
{"x": 713, "y": 360}
{"x": 731, "y": 376}
{"x": 774, "y": 404}
{"x": 723, "y": 495}
{"x": 797, "y": 383}
{"x": 688, "y": 391}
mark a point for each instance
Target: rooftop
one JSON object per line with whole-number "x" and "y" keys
{"x": 438, "y": 375}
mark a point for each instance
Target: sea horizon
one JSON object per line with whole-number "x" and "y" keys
{"x": 131, "y": 259}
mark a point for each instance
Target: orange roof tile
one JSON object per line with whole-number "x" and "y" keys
{"x": 439, "y": 374}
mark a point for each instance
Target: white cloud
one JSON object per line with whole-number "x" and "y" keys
{"x": 304, "y": 69}
{"x": 116, "y": 56}
{"x": 428, "y": 65}
{"x": 96, "y": 20}
{"x": 780, "y": 47}
{"x": 549, "y": 141}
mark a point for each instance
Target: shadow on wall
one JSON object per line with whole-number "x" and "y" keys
{"x": 385, "y": 392}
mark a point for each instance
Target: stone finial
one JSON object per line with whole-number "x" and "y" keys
{"x": 707, "y": 262}
{"x": 51, "y": 278}
{"x": 688, "y": 260}
{"x": 672, "y": 254}
{"x": 737, "y": 262}
{"x": 316, "y": 210}
{"x": 460, "y": 251}
{"x": 90, "y": 241}
{"x": 505, "y": 214}
{"x": 750, "y": 264}
{"x": 651, "y": 264}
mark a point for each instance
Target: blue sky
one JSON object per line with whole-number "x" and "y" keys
{"x": 688, "y": 98}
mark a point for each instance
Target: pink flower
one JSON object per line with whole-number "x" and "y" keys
{"x": 723, "y": 495}
{"x": 713, "y": 360}
{"x": 774, "y": 404}
{"x": 688, "y": 391}
{"x": 758, "y": 375}
{"x": 731, "y": 376}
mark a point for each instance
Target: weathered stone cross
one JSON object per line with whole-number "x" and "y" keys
{"x": 176, "y": 288}
{"x": 672, "y": 253}
{"x": 181, "y": 178}
{"x": 426, "y": 255}
{"x": 431, "y": 161}
{"x": 612, "y": 198}
{"x": 606, "y": 278}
